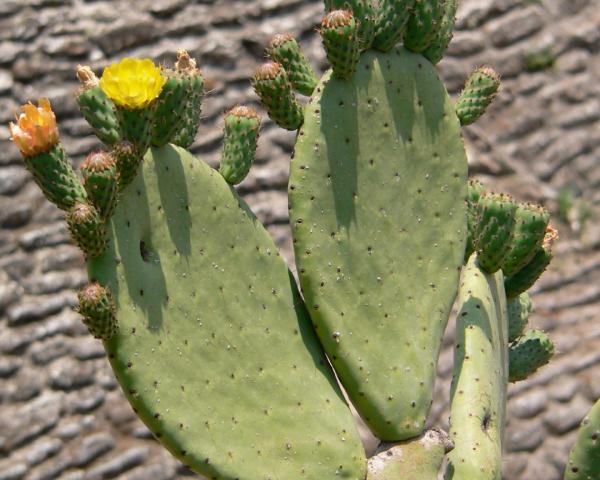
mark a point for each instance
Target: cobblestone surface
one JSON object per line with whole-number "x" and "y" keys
{"x": 61, "y": 413}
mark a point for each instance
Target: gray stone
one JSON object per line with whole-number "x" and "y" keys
{"x": 69, "y": 374}
{"x": 8, "y": 242}
{"x": 127, "y": 460}
{"x": 525, "y": 436}
{"x": 55, "y": 281}
{"x": 61, "y": 258}
{"x": 19, "y": 424}
{"x": 25, "y": 386}
{"x": 41, "y": 450}
{"x": 88, "y": 348}
{"x": 14, "y": 214}
{"x": 10, "y": 292}
{"x": 17, "y": 266}
{"x": 157, "y": 471}
{"x": 515, "y": 26}
{"x": 50, "y": 349}
{"x": 36, "y": 308}
{"x": 122, "y": 35}
{"x": 91, "y": 448}
{"x": 560, "y": 419}
{"x": 12, "y": 178}
{"x": 10, "y": 7}
{"x": 45, "y": 236}
{"x": 9, "y": 366}
{"x": 564, "y": 388}
{"x": 9, "y": 470}
{"x": 52, "y": 470}
{"x": 68, "y": 430}
{"x": 9, "y": 51}
{"x": 87, "y": 400}
{"x": 528, "y": 405}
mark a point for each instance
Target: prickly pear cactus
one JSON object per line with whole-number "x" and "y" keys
{"x": 200, "y": 316}
{"x": 214, "y": 348}
{"x": 377, "y": 193}
{"x": 203, "y": 324}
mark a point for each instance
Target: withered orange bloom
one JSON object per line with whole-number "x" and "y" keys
{"x": 35, "y": 131}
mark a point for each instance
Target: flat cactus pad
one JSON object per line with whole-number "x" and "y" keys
{"x": 214, "y": 348}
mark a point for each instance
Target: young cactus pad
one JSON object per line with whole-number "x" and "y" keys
{"x": 377, "y": 206}
{"x": 478, "y": 395}
{"x": 214, "y": 348}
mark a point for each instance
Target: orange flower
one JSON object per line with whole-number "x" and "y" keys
{"x": 36, "y": 131}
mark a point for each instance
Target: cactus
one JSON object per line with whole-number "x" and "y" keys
{"x": 519, "y": 309}
{"x": 239, "y": 145}
{"x": 339, "y": 32}
{"x": 479, "y": 92}
{"x": 528, "y": 353}
{"x": 284, "y": 49}
{"x": 101, "y": 182}
{"x": 97, "y": 307}
{"x": 478, "y": 395}
{"x": 475, "y": 191}
{"x": 495, "y": 226}
{"x": 202, "y": 321}
{"x": 98, "y": 110}
{"x": 584, "y": 460}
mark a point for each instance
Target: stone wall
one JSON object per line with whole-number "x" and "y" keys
{"x": 61, "y": 413}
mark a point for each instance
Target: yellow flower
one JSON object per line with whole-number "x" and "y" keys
{"x": 132, "y": 83}
{"x": 36, "y": 131}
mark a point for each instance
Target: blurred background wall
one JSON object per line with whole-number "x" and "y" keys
{"x": 61, "y": 413}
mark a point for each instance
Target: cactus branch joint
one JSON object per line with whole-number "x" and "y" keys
{"x": 195, "y": 306}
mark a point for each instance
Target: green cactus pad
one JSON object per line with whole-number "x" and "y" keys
{"x": 530, "y": 352}
{"x": 519, "y": 309}
{"x": 478, "y": 393}
{"x": 480, "y": 90}
{"x": 366, "y": 16}
{"x": 495, "y": 226}
{"x": 377, "y": 206}
{"x": 424, "y": 24}
{"x": 87, "y": 229}
{"x": 98, "y": 110}
{"x": 416, "y": 459}
{"x": 215, "y": 349}
{"x": 97, "y": 307}
{"x": 338, "y": 31}
{"x": 284, "y": 49}
{"x": 272, "y": 85}
{"x": 584, "y": 460}
{"x": 530, "y": 227}
{"x": 170, "y": 107}
{"x": 393, "y": 16}
{"x": 54, "y": 174}
{"x": 100, "y": 178}
{"x": 242, "y": 125}
{"x": 524, "y": 279}
{"x": 475, "y": 191}
{"x": 193, "y": 84}
{"x": 435, "y": 51}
